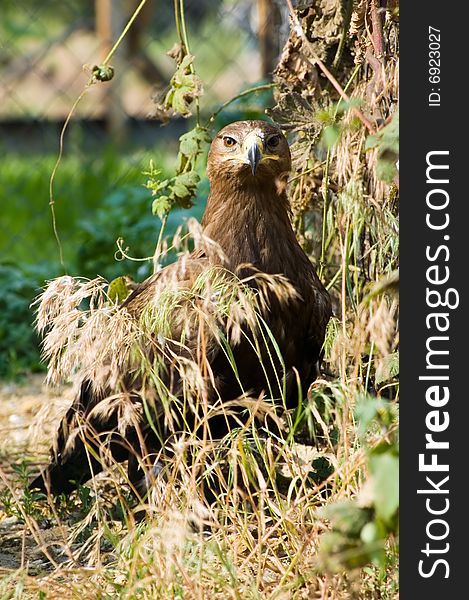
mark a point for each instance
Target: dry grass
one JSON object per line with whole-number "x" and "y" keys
{"x": 260, "y": 535}
{"x": 269, "y": 530}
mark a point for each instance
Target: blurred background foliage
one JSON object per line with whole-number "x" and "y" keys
{"x": 99, "y": 191}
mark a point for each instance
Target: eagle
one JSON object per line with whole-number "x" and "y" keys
{"x": 239, "y": 319}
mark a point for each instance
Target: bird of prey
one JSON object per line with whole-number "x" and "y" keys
{"x": 243, "y": 316}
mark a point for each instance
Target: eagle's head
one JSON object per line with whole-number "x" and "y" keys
{"x": 250, "y": 151}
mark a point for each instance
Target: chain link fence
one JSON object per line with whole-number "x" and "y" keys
{"x": 47, "y": 51}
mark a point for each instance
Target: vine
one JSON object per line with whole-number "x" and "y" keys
{"x": 99, "y": 73}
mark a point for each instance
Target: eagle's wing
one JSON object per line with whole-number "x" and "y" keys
{"x": 161, "y": 324}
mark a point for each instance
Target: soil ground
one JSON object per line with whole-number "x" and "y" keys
{"x": 29, "y": 412}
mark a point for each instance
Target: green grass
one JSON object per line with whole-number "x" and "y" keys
{"x": 98, "y": 199}
{"x": 83, "y": 186}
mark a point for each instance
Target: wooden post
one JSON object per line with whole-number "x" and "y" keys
{"x": 268, "y": 35}
{"x": 110, "y": 20}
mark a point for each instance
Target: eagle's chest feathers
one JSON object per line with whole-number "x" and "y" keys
{"x": 260, "y": 234}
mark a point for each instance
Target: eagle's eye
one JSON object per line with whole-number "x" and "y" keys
{"x": 273, "y": 141}
{"x": 229, "y": 141}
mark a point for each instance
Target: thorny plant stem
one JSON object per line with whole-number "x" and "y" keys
{"x": 322, "y": 259}
{"x": 368, "y": 367}
{"x": 253, "y": 90}
{"x": 343, "y": 244}
{"x": 183, "y": 38}
{"x": 157, "y": 253}
{"x": 54, "y": 172}
{"x": 377, "y": 36}
{"x": 124, "y": 32}
{"x": 307, "y": 172}
{"x": 343, "y": 37}
{"x": 325, "y": 206}
{"x": 300, "y": 31}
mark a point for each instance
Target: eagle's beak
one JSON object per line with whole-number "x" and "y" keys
{"x": 253, "y": 151}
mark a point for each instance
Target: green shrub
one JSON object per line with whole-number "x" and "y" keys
{"x": 125, "y": 213}
{"x": 19, "y": 346}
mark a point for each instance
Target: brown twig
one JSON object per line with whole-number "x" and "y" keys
{"x": 300, "y": 31}
{"x": 377, "y": 35}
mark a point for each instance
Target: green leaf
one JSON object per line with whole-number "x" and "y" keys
{"x": 179, "y": 102}
{"x": 344, "y": 105}
{"x": 190, "y": 179}
{"x": 368, "y": 410}
{"x": 168, "y": 101}
{"x": 331, "y": 135}
{"x": 188, "y": 144}
{"x": 187, "y": 81}
{"x": 185, "y": 87}
{"x": 118, "y": 290}
{"x": 103, "y": 72}
{"x": 186, "y": 62}
{"x": 372, "y": 141}
{"x": 325, "y": 117}
{"x": 322, "y": 469}
{"x": 161, "y": 206}
{"x": 388, "y": 368}
{"x": 386, "y": 167}
{"x": 387, "y": 142}
{"x": 179, "y": 190}
{"x": 370, "y": 533}
{"x": 384, "y": 471}
{"x": 347, "y": 517}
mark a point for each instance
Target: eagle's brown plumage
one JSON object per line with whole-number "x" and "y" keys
{"x": 248, "y": 231}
